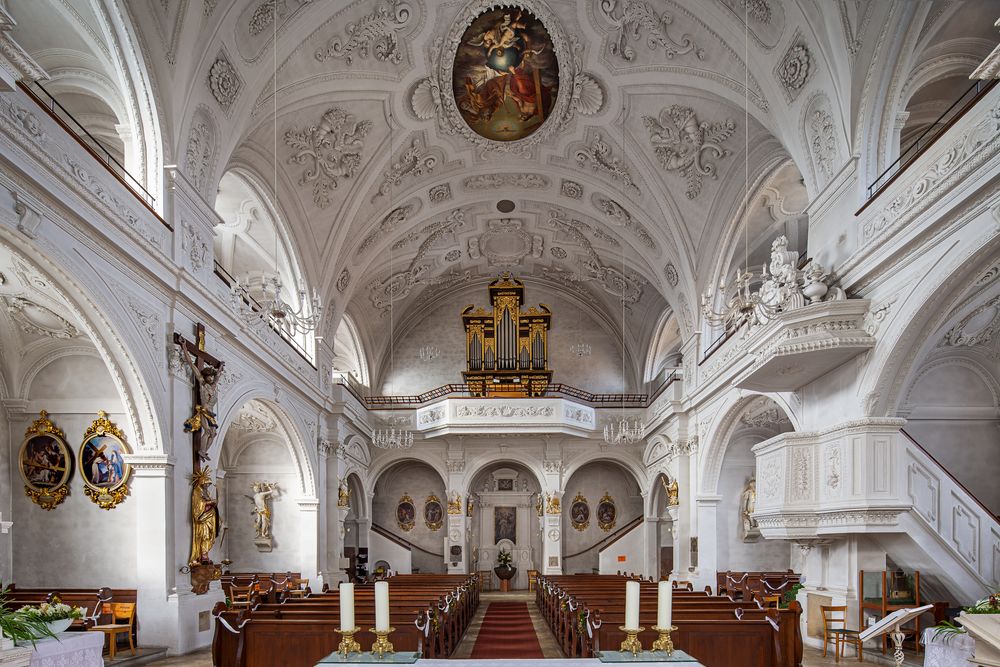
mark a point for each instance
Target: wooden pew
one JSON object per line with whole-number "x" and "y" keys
{"x": 747, "y": 585}
{"x": 585, "y": 612}
{"x": 430, "y": 614}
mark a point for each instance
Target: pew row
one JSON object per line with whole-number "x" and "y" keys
{"x": 585, "y": 613}
{"x": 430, "y": 614}
{"x": 755, "y": 585}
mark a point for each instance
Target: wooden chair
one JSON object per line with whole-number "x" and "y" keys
{"x": 532, "y": 579}
{"x": 240, "y": 596}
{"x": 487, "y": 577}
{"x": 835, "y": 630}
{"x": 770, "y": 601}
{"x": 298, "y": 587}
{"x": 120, "y": 611}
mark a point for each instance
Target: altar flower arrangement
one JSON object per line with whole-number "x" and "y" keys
{"x": 988, "y": 605}
{"x": 18, "y": 626}
{"x": 47, "y": 612}
{"x": 504, "y": 558}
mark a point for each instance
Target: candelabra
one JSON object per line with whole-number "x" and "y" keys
{"x": 625, "y": 432}
{"x": 392, "y": 438}
{"x": 382, "y": 645}
{"x": 631, "y": 644}
{"x": 348, "y": 644}
{"x": 664, "y": 642}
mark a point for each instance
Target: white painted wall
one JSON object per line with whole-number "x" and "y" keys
{"x": 417, "y": 480}
{"x": 399, "y": 558}
{"x": 630, "y": 546}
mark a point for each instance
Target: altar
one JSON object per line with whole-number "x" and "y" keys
{"x": 504, "y": 523}
{"x": 80, "y": 649}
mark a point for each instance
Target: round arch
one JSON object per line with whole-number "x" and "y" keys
{"x": 96, "y": 312}
{"x": 395, "y": 457}
{"x": 720, "y": 432}
{"x": 293, "y": 435}
{"x": 633, "y": 468}
{"x": 480, "y": 463}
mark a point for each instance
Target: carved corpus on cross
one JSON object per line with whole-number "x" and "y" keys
{"x": 203, "y": 427}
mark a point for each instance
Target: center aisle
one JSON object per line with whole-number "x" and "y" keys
{"x": 507, "y": 632}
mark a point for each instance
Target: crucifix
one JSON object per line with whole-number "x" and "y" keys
{"x": 203, "y": 427}
{"x": 206, "y": 370}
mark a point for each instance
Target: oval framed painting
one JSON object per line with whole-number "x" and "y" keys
{"x": 433, "y": 513}
{"x": 103, "y": 467}
{"x": 579, "y": 512}
{"x": 505, "y": 75}
{"x": 45, "y": 462}
{"x": 406, "y": 513}
{"x": 607, "y": 513}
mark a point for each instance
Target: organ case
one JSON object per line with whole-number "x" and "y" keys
{"x": 507, "y": 350}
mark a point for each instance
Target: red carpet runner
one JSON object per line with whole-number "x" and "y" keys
{"x": 507, "y": 632}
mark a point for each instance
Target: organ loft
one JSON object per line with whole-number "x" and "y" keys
{"x": 507, "y": 348}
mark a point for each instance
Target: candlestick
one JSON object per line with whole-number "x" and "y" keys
{"x": 382, "y": 645}
{"x": 632, "y": 605}
{"x": 664, "y": 642}
{"x": 382, "y": 606}
{"x": 347, "y": 607}
{"x": 348, "y": 644}
{"x": 664, "y": 603}
{"x": 631, "y": 643}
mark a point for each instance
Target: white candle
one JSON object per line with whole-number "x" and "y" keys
{"x": 347, "y": 607}
{"x": 632, "y": 605}
{"x": 664, "y": 603}
{"x": 382, "y": 606}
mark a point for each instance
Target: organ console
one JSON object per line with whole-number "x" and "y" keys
{"x": 507, "y": 349}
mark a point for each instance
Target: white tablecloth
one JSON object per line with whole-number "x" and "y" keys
{"x": 947, "y": 650}
{"x": 70, "y": 649}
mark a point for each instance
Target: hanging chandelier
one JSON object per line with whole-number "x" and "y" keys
{"x": 263, "y": 302}
{"x": 392, "y": 438}
{"x": 396, "y": 438}
{"x": 581, "y": 349}
{"x": 429, "y": 353}
{"x": 625, "y": 432}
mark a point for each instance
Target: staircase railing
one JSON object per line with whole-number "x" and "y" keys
{"x": 961, "y": 522}
{"x": 406, "y": 544}
{"x": 608, "y": 540}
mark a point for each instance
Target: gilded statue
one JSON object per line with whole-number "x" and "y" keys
{"x": 673, "y": 492}
{"x": 748, "y": 503}
{"x": 552, "y": 504}
{"x": 470, "y": 506}
{"x": 262, "y": 492}
{"x": 343, "y": 495}
{"x": 455, "y": 503}
{"x": 203, "y": 420}
{"x": 204, "y": 516}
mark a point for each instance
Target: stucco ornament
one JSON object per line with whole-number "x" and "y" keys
{"x": 330, "y": 150}
{"x": 794, "y": 69}
{"x": 686, "y": 145}
{"x": 224, "y": 81}
{"x": 633, "y": 17}
{"x": 374, "y": 34}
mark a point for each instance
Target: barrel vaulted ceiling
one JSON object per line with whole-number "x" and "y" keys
{"x": 632, "y": 186}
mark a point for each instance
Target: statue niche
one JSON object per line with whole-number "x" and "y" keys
{"x": 507, "y": 349}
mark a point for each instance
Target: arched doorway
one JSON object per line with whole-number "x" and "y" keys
{"x": 602, "y": 519}
{"x": 409, "y": 519}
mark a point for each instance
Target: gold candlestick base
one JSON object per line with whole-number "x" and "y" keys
{"x": 382, "y": 644}
{"x": 631, "y": 643}
{"x": 348, "y": 644}
{"x": 664, "y": 642}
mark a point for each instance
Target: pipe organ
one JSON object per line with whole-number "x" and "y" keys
{"x": 507, "y": 349}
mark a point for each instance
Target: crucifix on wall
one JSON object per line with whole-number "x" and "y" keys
{"x": 203, "y": 427}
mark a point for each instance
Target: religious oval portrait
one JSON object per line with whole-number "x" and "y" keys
{"x": 433, "y": 513}
{"x": 506, "y": 76}
{"x": 406, "y": 513}
{"x": 45, "y": 462}
{"x": 607, "y": 513}
{"x": 102, "y": 462}
{"x": 579, "y": 513}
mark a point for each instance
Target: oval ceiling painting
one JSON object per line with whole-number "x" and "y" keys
{"x": 506, "y": 76}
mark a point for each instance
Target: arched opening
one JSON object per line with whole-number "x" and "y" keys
{"x": 253, "y": 246}
{"x": 660, "y": 511}
{"x": 602, "y": 500}
{"x": 348, "y": 353}
{"x": 51, "y": 361}
{"x": 665, "y": 350}
{"x": 258, "y": 456}
{"x": 740, "y": 547}
{"x": 503, "y": 497}
{"x": 409, "y": 518}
